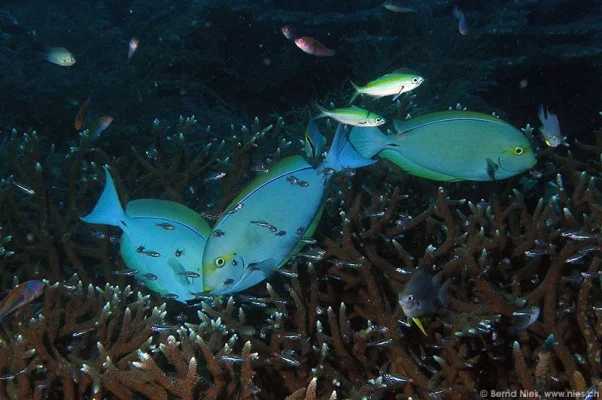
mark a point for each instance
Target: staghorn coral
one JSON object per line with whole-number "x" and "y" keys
{"x": 330, "y": 325}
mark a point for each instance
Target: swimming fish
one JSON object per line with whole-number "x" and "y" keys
{"x": 312, "y": 46}
{"x": 314, "y": 140}
{"x": 462, "y": 22}
{"x": 289, "y": 32}
{"x": 351, "y": 116}
{"x": 19, "y": 296}
{"x": 422, "y": 295}
{"x": 60, "y": 56}
{"x": 246, "y": 253}
{"x": 450, "y": 146}
{"x": 81, "y": 115}
{"x": 522, "y": 319}
{"x": 133, "y": 46}
{"x": 98, "y": 126}
{"x": 143, "y": 223}
{"x": 399, "y": 6}
{"x": 393, "y": 84}
{"x": 550, "y": 129}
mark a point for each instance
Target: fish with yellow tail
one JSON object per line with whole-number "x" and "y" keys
{"x": 162, "y": 240}
{"x": 423, "y": 295}
{"x": 60, "y": 56}
{"x": 393, "y": 84}
{"x": 271, "y": 219}
{"x": 550, "y": 129}
{"x": 351, "y": 116}
{"x": 450, "y": 146}
{"x": 19, "y": 296}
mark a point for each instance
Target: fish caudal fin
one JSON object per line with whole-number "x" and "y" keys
{"x": 370, "y": 141}
{"x": 323, "y": 112}
{"x": 108, "y": 210}
{"x": 355, "y": 94}
{"x": 342, "y": 154}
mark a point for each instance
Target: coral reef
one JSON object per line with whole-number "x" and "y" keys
{"x": 332, "y": 327}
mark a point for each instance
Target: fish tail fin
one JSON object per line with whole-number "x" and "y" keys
{"x": 108, "y": 209}
{"x": 323, "y": 112}
{"x": 370, "y": 141}
{"x": 356, "y": 93}
{"x": 342, "y": 154}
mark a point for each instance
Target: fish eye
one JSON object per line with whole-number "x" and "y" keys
{"x": 378, "y": 119}
{"x": 414, "y": 80}
{"x": 518, "y": 150}
{"x": 410, "y": 297}
{"x": 219, "y": 262}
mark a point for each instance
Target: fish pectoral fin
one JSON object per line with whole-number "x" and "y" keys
{"x": 492, "y": 167}
{"x": 398, "y": 94}
{"x": 419, "y": 325}
{"x": 178, "y": 270}
{"x": 266, "y": 267}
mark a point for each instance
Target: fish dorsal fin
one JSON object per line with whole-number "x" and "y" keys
{"x": 170, "y": 210}
{"x": 404, "y": 71}
{"x": 282, "y": 167}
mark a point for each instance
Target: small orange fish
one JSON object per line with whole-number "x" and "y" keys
{"x": 81, "y": 115}
{"x": 312, "y": 46}
{"x": 133, "y": 46}
{"x": 19, "y": 296}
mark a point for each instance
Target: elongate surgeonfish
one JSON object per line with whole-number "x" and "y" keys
{"x": 267, "y": 222}
{"x": 450, "y": 146}
{"x": 162, "y": 240}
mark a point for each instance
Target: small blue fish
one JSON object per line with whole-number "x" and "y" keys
{"x": 462, "y": 22}
{"x": 422, "y": 295}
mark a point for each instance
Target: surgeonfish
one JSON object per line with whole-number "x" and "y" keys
{"x": 393, "y": 84}
{"x": 450, "y": 146}
{"x": 423, "y": 295}
{"x": 266, "y": 223}
{"x": 312, "y": 46}
{"x": 60, "y": 56}
{"x": 550, "y": 129}
{"x": 19, "y": 296}
{"x": 162, "y": 240}
{"x": 351, "y": 116}
{"x": 314, "y": 140}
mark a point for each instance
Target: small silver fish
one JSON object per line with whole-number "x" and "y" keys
{"x": 218, "y": 233}
{"x": 215, "y": 177}
{"x": 83, "y": 332}
{"x": 281, "y": 233}
{"x": 264, "y": 224}
{"x": 236, "y": 208}
{"x": 292, "y": 180}
{"x": 579, "y": 235}
{"x": 151, "y": 253}
{"x": 164, "y": 328}
{"x": 150, "y": 277}
{"x": 166, "y": 226}
{"x": 25, "y": 189}
{"x": 523, "y": 318}
{"x": 190, "y": 274}
{"x": 179, "y": 252}
{"x": 289, "y": 360}
{"x": 231, "y": 359}
{"x": 126, "y": 272}
{"x": 171, "y": 296}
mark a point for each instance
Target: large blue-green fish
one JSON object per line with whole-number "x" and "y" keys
{"x": 162, "y": 240}
{"x": 450, "y": 146}
{"x": 266, "y": 224}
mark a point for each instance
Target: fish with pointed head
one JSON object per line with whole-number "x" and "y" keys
{"x": 162, "y": 240}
